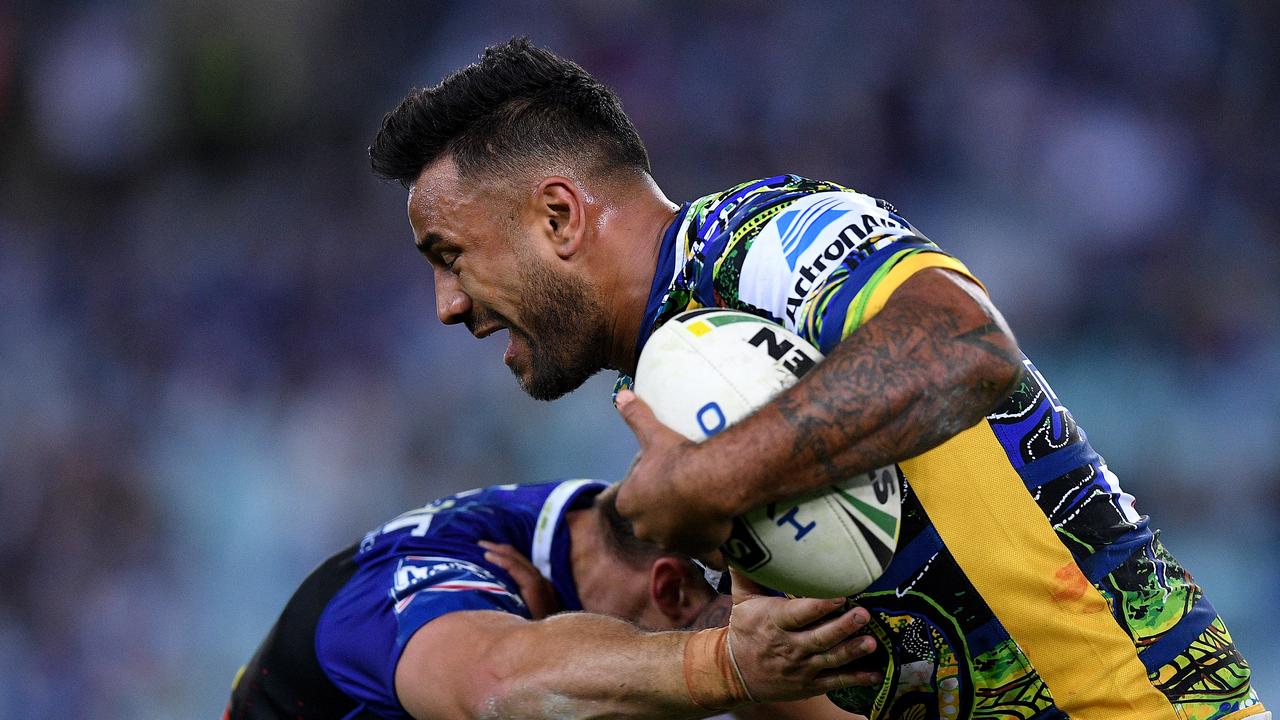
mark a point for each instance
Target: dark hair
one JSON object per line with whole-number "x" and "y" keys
{"x": 620, "y": 536}
{"x": 518, "y": 103}
{"x": 621, "y": 541}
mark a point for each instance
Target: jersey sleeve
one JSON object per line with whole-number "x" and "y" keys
{"x": 425, "y": 587}
{"x": 827, "y": 262}
{"x": 366, "y": 625}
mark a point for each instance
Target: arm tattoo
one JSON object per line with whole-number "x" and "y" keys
{"x": 933, "y": 362}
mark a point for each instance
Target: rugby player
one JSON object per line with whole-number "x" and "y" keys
{"x": 442, "y": 613}
{"x": 1025, "y": 582}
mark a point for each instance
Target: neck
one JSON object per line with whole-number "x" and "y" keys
{"x": 632, "y": 230}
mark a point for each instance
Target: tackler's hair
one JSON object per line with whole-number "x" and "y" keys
{"x": 620, "y": 536}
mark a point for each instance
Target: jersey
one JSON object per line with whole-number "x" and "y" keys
{"x": 1025, "y": 584}
{"x": 333, "y": 653}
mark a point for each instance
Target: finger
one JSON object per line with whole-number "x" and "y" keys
{"x": 743, "y": 587}
{"x": 502, "y": 561}
{"x": 616, "y": 494}
{"x": 507, "y": 551}
{"x": 517, "y": 567}
{"x": 842, "y": 678}
{"x": 800, "y": 613}
{"x": 827, "y": 635}
{"x": 490, "y": 545}
{"x": 504, "y": 551}
{"x": 638, "y": 416}
{"x": 854, "y": 648}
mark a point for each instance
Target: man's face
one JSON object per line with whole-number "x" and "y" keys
{"x": 495, "y": 268}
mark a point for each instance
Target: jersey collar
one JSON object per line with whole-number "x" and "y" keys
{"x": 551, "y": 542}
{"x": 663, "y": 275}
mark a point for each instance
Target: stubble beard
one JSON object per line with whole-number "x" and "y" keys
{"x": 565, "y": 333}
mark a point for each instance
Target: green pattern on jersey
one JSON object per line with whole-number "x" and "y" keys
{"x": 944, "y": 653}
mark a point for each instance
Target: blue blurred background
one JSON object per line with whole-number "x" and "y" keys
{"x": 219, "y": 358}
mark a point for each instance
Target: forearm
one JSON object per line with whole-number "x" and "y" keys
{"x": 931, "y": 364}
{"x": 486, "y": 664}
{"x": 583, "y": 666}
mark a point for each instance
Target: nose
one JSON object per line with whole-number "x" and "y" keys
{"x": 452, "y": 304}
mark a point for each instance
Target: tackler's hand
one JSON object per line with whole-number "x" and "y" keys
{"x": 536, "y": 590}
{"x": 786, "y": 649}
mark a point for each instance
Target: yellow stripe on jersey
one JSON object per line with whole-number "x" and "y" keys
{"x": 872, "y": 298}
{"x": 1006, "y": 547}
{"x": 904, "y": 269}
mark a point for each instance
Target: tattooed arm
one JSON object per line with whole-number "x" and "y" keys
{"x": 933, "y": 362}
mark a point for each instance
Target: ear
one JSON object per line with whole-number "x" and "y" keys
{"x": 674, "y": 590}
{"x": 561, "y": 211}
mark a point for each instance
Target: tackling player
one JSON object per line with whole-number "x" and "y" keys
{"x": 442, "y": 613}
{"x": 1025, "y": 583}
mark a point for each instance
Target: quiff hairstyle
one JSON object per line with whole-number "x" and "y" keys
{"x": 517, "y": 107}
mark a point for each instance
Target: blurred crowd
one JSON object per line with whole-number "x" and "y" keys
{"x": 219, "y": 357}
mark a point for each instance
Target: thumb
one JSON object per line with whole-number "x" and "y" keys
{"x": 638, "y": 415}
{"x": 744, "y": 587}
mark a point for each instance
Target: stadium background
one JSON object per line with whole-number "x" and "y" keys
{"x": 218, "y": 347}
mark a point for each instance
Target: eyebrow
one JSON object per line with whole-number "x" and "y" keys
{"x": 428, "y": 241}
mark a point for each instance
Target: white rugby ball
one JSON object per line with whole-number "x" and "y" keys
{"x": 706, "y": 369}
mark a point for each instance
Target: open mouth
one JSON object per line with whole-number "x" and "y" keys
{"x": 488, "y": 330}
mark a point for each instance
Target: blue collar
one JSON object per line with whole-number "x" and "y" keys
{"x": 661, "y": 278}
{"x": 557, "y": 564}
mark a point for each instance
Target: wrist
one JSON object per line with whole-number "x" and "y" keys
{"x": 711, "y": 673}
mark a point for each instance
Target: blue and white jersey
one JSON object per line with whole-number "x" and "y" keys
{"x": 427, "y": 563}
{"x": 1025, "y": 583}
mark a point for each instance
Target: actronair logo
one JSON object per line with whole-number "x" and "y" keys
{"x": 799, "y": 228}
{"x": 850, "y": 238}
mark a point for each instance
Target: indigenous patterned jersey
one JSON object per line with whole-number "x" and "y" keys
{"x": 334, "y": 651}
{"x": 1025, "y": 584}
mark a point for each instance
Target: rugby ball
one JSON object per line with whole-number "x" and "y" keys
{"x": 706, "y": 369}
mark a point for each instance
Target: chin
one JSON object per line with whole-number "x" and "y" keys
{"x": 543, "y": 391}
{"x": 552, "y": 383}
